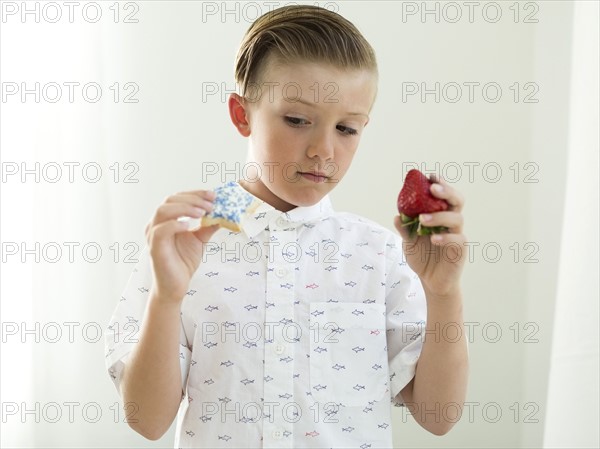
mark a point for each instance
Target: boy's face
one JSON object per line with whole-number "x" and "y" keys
{"x": 309, "y": 117}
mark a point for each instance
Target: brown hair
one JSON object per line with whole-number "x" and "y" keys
{"x": 301, "y": 33}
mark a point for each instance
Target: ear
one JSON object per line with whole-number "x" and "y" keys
{"x": 238, "y": 114}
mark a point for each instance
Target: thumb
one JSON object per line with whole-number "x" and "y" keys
{"x": 402, "y": 230}
{"x": 206, "y": 232}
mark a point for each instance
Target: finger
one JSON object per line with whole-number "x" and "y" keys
{"x": 453, "y": 220}
{"x": 172, "y": 211}
{"x": 166, "y": 230}
{"x": 451, "y": 243}
{"x": 204, "y": 233}
{"x": 403, "y": 230}
{"x": 195, "y": 200}
{"x": 441, "y": 189}
{"x": 205, "y": 194}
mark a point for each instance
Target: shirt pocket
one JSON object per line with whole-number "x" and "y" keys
{"x": 348, "y": 353}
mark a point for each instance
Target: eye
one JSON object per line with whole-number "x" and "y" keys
{"x": 295, "y": 121}
{"x": 347, "y": 131}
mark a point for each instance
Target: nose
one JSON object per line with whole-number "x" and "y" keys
{"x": 321, "y": 145}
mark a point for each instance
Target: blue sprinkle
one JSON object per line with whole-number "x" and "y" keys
{"x": 230, "y": 202}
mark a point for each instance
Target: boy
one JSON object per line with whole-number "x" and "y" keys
{"x": 298, "y": 330}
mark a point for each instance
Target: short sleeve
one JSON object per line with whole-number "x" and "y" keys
{"x": 125, "y": 324}
{"x": 406, "y": 311}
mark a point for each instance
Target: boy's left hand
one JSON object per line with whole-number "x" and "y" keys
{"x": 438, "y": 259}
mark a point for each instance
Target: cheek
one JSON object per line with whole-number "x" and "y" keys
{"x": 262, "y": 143}
{"x": 280, "y": 147}
{"x": 345, "y": 154}
{"x": 343, "y": 160}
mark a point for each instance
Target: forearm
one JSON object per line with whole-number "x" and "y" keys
{"x": 442, "y": 371}
{"x": 152, "y": 377}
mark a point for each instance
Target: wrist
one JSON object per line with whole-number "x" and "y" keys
{"x": 449, "y": 299}
{"x": 165, "y": 302}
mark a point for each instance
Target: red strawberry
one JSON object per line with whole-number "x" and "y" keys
{"x": 414, "y": 199}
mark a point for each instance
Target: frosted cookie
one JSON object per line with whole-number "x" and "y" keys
{"x": 231, "y": 203}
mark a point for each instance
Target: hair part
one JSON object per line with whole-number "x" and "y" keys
{"x": 298, "y": 33}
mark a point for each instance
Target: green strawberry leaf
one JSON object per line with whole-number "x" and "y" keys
{"x": 416, "y": 228}
{"x": 426, "y": 230}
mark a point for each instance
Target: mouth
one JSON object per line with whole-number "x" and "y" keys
{"x": 314, "y": 176}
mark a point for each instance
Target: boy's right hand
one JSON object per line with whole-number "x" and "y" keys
{"x": 176, "y": 252}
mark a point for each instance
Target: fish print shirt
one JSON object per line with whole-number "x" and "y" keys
{"x": 298, "y": 331}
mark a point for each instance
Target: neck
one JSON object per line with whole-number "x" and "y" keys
{"x": 259, "y": 190}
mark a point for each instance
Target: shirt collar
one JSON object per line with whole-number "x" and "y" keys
{"x": 266, "y": 215}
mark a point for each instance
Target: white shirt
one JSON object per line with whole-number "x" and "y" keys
{"x": 297, "y": 331}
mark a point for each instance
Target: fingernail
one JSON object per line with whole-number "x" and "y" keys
{"x": 436, "y": 238}
{"x": 188, "y": 223}
{"x": 438, "y": 188}
{"x": 425, "y": 217}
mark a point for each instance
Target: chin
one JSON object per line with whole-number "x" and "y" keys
{"x": 300, "y": 196}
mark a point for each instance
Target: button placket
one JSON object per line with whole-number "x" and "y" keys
{"x": 279, "y": 356}
{"x": 281, "y": 222}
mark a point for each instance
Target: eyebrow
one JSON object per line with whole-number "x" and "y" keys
{"x": 307, "y": 103}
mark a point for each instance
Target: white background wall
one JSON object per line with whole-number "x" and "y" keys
{"x": 174, "y": 53}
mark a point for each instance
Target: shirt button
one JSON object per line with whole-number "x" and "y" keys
{"x": 281, "y": 272}
{"x": 281, "y": 222}
{"x": 277, "y": 434}
{"x": 280, "y": 349}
